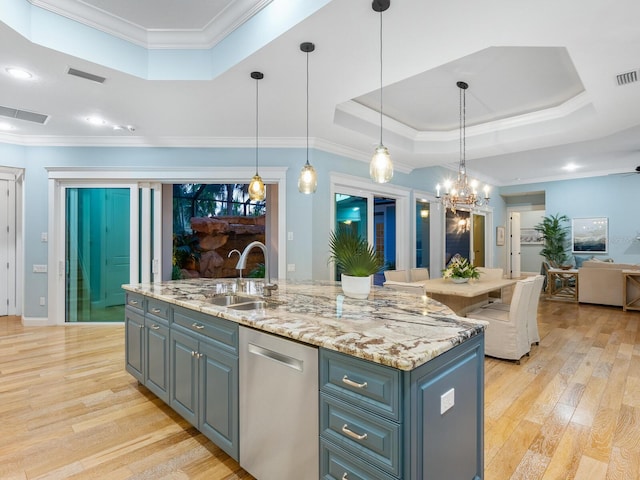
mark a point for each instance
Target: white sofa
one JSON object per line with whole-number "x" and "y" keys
{"x": 411, "y": 280}
{"x": 601, "y": 282}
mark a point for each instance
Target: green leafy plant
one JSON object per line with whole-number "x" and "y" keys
{"x": 459, "y": 267}
{"x": 257, "y": 272}
{"x": 186, "y": 250}
{"x": 352, "y": 254}
{"x": 555, "y": 233}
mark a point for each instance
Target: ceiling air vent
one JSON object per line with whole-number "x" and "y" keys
{"x": 23, "y": 115}
{"x": 86, "y": 75}
{"x": 626, "y": 78}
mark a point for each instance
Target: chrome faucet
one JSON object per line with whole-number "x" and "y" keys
{"x": 242, "y": 263}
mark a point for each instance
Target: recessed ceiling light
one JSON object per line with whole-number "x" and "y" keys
{"x": 6, "y": 126}
{"x": 96, "y": 121}
{"x": 19, "y": 73}
{"x": 570, "y": 167}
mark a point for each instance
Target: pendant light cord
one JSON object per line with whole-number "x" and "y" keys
{"x": 380, "y": 77}
{"x": 463, "y": 133}
{"x": 307, "y": 108}
{"x": 257, "y": 80}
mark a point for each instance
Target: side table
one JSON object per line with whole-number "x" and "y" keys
{"x": 630, "y": 290}
{"x": 562, "y": 284}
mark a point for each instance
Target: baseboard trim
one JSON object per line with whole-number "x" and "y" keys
{"x": 36, "y": 322}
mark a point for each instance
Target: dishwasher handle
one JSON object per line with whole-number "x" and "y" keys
{"x": 276, "y": 357}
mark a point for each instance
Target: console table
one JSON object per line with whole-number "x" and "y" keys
{"x": 630, "y": 290}
{"x": 562, "y": 284}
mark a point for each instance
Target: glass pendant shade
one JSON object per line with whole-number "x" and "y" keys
{"x": 257, "y": 190}
{"x": 381, "y": 166}
{"x": 308, "y": 180}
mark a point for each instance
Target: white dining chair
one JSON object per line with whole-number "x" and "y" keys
{"x": 532, "y": 310}
{"x": 507, "y": 334}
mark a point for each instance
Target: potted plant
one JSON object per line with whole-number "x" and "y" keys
{"x": 460, "y": 270}
{"x": 555, "y": 235}
{"x": 355, "y": 259}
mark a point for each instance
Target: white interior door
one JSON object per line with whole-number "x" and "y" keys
{"x": 8, "y": 247}
{"x": 4, "y": 251}
{"x": 514, "y": 242}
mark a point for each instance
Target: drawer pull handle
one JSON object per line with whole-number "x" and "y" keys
{"x": 353, "y": 384}
{"x": 140, "y": 326}
{"x": 346, "y": 431}
{"x": 197, "y": 326}
{"x": 133, "y": 303}
{"x": 345, "y": 476}
{"x": 155, "y": 310}
{"x": 155, "y": 327}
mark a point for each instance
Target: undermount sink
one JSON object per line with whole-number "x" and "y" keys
{"x": 239, "y": 302}
{"x": 227, "y": 300}
{"x": 252, "y": 305}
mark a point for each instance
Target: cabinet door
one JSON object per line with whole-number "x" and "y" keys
{"x": 450, "y": 444}
{"x": 184, "y": 376}
{"x": 134, "y": 343}
{"x": 157, "y": 358}
{"x": 219, "y": 398}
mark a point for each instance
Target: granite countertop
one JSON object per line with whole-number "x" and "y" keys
{"x": 397, "y": 329}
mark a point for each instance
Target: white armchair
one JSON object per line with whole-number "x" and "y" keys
{"x": 507, "y": 336}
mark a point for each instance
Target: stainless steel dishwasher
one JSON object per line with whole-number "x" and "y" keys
{"x": 279, "y": 436}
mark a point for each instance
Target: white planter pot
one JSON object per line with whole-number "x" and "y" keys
{"x": 459, "y": 280}
{"x": 356, "y": 287}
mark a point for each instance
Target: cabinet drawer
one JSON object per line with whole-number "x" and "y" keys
{"x": 136, "y": 302}
{"x": 158, "y": 309}
{"x": 373, "y": 438}
{"x": 337, "y": 464}
{"x": 222, "y": 331}
{"x": 372, "y": 386}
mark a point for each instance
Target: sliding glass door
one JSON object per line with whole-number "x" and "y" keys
{"x": 97, "y": 253}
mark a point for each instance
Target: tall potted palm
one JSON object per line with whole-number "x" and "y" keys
{"x": 355, "y": 259}
{"x": 555, "y": 234}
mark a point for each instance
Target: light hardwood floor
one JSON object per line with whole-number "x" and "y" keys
{"x": 69, "y": 410}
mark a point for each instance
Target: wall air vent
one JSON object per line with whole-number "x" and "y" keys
{"x": 23, "y": 115}
{"x": 86, "y": 75}
{"x": 626, "y": 78}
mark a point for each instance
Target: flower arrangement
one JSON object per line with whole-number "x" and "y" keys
{"x": 460, "y": 267}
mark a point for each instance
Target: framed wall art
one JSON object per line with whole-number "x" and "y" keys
{"x": 499, "y": 236}
{"x": 530, "y": 236}
{"x": 589, "y": 235}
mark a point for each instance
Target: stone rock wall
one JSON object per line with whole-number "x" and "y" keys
{"x": 220, "y": 235}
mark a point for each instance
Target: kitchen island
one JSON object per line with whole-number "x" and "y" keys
{"x": 400, "y": 382}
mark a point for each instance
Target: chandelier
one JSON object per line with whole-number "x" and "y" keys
{"x": 462, "y": 192}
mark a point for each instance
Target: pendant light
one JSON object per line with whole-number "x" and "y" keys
{"x": 381, "y": 166}
{"x": 308, "y": 180}
{"x": 256, "y": 186}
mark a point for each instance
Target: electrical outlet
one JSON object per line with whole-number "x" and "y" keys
{"x": 291, "y": 267}
{"x": 44, "y": 237}
{"x": 43, "y": 301}
{"x": 39, "y": 269}
{"x": 447, "y": 401}
{"x": 289, "y": 235}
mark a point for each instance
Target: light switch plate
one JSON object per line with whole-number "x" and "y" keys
{"x": 447, "y": 401}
